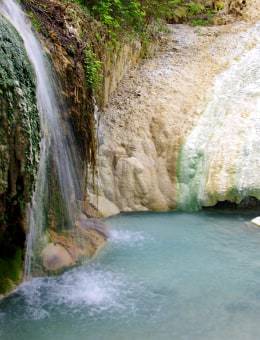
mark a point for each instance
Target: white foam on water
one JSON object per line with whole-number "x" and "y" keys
{"x": 90, "y": 290}
{"x": 31, "y": 292}
{"x": 95, "y": 288}
{"x": 126, "y": 237}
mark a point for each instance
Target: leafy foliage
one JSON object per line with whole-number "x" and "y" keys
{"x": 93, "y": 69}
{"x": 137, "y": 14}
{"x": 124, "y": 18}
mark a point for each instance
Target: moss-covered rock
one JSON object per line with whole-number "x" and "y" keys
{"x": 19, "y": 145}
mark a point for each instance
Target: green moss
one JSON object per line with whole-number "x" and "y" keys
{"x": 17, "y": 84}
{"x": 10, "y": 271}
{"x": 19, "y": 150}
{"x": 35, "y": 22}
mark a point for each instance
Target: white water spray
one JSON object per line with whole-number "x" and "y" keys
{"x": 57, "y": 138}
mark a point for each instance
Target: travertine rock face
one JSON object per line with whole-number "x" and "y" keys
{"x": 157, "y": 108}
{"x": 220, "y": 158}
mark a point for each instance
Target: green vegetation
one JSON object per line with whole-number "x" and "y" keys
{"x": 136, "y": 15}
{"x": 19, "y": 144}
{"x": 10, "y": 271}
{"x": 105, "y": 25}
{"x": 116, "y": 14}
{"x": 35, "y": 22}
{"x": 123, "y": 19}
{"x": 93, "y": 69}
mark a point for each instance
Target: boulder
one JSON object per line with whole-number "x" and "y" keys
{"x": 56, "y": 258}
{"x": 70, "y": 247}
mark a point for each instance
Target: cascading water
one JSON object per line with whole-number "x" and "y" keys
{"x": 57, "y": 138}
{"x": 220, "y": 159}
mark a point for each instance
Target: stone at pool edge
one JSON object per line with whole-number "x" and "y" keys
{"x": 66, "y": 250}
{"x": 256, "y": 221}
{"x": 55, "y": 257}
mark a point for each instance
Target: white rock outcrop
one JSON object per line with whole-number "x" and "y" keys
{"x": 161, "y": 105}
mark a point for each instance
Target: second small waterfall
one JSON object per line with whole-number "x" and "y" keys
{"x": 58, "y": 150}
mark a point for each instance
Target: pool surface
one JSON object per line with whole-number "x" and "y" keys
{"x": 161, "y": 276}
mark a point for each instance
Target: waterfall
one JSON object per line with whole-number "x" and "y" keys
{"x": 57, "y": 138}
